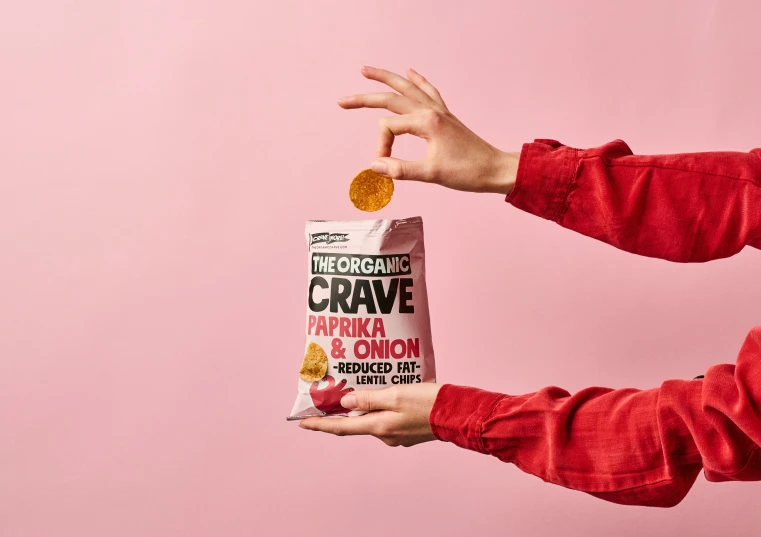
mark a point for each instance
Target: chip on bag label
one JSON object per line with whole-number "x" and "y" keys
{"x": 367, "y": 324}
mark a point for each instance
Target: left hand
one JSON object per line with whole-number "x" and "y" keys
{"x": 398, "y": 415}
{"x": 456, "y": 157}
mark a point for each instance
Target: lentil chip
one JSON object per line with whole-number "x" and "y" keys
{"x": 315, "y": 364}
{"x": 370, "y": 191}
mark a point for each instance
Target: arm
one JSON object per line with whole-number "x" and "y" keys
{"x": 689, "y": 207}
{"x": 625, "y": 446}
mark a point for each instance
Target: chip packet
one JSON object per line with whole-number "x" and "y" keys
{"x": 367, "y": 325}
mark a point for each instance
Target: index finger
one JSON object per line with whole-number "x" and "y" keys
{"x": 351, "y": 426}
{"x": 397, "y": 82}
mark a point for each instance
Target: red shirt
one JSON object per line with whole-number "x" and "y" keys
{"x": 631, "y": 446}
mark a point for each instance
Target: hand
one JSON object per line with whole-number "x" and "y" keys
{"x": 456, "y": 157}
{"x": 398, "y": 415}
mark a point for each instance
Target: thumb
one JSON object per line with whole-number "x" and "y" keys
{"x": 368, "y": 400}
{"x": 400, "y": 169}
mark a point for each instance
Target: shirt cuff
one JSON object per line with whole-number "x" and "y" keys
{"x": 546, "y": 173}
{"x": 458, "y": 414}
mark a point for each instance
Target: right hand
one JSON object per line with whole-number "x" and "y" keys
{"x": 456, "y": 157}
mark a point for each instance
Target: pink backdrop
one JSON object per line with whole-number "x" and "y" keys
{"x": 158, "y": 160}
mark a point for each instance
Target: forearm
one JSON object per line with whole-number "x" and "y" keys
{"x": 625, "y": 446}
{"x": 688, "y": 207}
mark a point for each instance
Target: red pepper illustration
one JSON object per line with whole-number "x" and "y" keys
{"x": 328, "y": 399}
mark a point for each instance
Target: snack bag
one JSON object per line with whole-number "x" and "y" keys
{"x": 367, "y": 324}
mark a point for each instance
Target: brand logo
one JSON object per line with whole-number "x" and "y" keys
{"x": 328, "y": 238}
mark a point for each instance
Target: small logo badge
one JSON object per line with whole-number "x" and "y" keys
{"x": 328, "y": 238}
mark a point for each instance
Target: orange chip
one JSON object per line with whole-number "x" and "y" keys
{"x": 370, "y": 191}
{"x": 315, "y": 364}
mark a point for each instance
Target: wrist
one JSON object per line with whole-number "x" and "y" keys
{"x": 505, "y": 172}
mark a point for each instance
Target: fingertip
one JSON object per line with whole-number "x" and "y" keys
{"x": 350, "y": 101}
{"x": 349, "y": 401}
{"x": 379, "y": 166}
{"x": 369, "y": 72}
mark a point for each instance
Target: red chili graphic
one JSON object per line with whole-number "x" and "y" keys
{"x": 328, "y": 399}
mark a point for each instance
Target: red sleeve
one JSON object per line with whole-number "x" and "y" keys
{"x": 688, "y": 207}
{"x": 625, "y": 446}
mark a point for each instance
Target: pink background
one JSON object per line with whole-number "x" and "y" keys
{"x": 158, "y": 160}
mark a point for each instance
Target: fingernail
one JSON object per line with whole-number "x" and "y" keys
{"x": 349, "y": 401}
{"x": 367, "y": 68}
{"x": 301, "y": 424}
{"x": 342, "y": 99}
{"x": 379, "y": 167}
